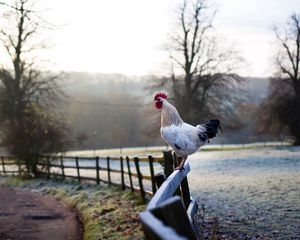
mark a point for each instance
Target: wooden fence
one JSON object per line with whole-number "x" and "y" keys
{"x": 169, "y": 214}
{"x": 60, "y": 166}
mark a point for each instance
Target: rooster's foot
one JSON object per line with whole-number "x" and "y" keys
{"x": 180, "y": 168}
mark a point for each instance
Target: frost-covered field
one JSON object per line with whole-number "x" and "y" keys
{"x": 157, "y": 150}
{"x": 254, "y": 194}
{"x": 250, "y": 191}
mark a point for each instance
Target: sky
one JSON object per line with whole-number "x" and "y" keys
{"x": 127, "y": 36}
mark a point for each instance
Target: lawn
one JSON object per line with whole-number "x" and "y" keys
{"x": 248, "y": 194}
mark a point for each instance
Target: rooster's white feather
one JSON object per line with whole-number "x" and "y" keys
{"x": 184, "y": 138}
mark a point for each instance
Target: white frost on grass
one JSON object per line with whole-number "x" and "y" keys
{"x": 254, "y": 193}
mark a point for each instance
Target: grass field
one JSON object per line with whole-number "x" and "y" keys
{"x": 157, "y": 150}
{"x": 244, "y": 191}
{"x": 249, "y": 191}
{"x": 248, "y": 194}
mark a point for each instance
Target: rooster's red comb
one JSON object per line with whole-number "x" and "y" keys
{"x": 160, "y": 95}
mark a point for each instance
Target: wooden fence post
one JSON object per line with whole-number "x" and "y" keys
{"x": 159, "y": 179}
{"x": 3, "y": 165}
{"x": 62, "y": 167}
{"x": 48, "y": 166}
{"x": 185, "y": 191}
{"x": 168, "y": 163}
{"x": 122, "y": 173}
{"x": 77, "y": 167}
{"x": 108, "y": 170}
{"x": 129, "y": 174}
{"x": 175, "y": 160}
{"x": 175, "y": 164}
{"x": 173, "y": 214}
{"x": 140, "y": 177}
{"x": 150, "y": 158}
{"x": 97, "y": 170}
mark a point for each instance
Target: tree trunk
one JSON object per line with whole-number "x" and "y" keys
{"x": 187, "y": 96}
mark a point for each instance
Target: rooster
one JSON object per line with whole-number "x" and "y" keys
{"x": 182, "y": 137}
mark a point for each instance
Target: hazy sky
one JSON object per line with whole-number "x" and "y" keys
{"x": 126, "y": 36}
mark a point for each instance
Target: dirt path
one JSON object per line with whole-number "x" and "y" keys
{"x": 28, "y": 215}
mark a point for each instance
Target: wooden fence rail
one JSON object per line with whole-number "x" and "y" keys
{"x": 168, "y": 216}
{"x": 59, "y": 166}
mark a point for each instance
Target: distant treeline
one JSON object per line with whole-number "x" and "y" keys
{"x": 113, "y": 110}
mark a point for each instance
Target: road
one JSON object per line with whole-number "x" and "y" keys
{"x": 28, "y": 215}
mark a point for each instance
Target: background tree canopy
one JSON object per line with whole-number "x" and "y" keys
{"x": 280, "y": 111}
{"x": 203, "y": 83}
{"x": 29, "y": 117}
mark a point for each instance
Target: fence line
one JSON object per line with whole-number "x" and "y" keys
{"x": 58, "y": 166}
{"x": 166, "y": 217}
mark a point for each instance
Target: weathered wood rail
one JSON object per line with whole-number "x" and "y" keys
{"x": 168, "y": 216}
{"x": 63, "y": 166}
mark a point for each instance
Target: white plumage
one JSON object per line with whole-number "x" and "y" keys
{"x": 182, "y": 137}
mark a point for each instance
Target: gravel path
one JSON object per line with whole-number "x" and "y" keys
{"x": 28, "y": 215}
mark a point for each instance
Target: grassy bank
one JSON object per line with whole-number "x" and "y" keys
{"x": 106, "y": 212}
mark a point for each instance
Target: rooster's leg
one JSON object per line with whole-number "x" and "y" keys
{"x": 181, "y": 165}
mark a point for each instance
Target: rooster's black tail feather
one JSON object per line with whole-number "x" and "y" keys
{"x": 212, "y": 127}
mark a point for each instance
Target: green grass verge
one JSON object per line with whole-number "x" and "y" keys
{"x": 106, "y": 212}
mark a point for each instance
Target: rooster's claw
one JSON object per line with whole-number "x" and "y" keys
{"x": 180, "y": 168}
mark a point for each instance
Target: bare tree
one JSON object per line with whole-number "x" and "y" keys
{"x": 29, "y": 96}
{"x": 280, "y": 111}
{"x": 202, "y": 82}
